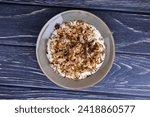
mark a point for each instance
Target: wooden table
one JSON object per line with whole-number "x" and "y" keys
{"x": 21, "y": 22}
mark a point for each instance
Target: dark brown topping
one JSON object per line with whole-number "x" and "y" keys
{"x": 75, "y": 50}
{"x": 57, "y": 26}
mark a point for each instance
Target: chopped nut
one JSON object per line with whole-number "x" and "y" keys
{"x": 74, "y": 49}
{"x": 57, "y": 26}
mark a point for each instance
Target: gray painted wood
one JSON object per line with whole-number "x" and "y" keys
{"x": 21, "y": 77}
{"x": 129, "y": 74}
{"x": 115, "y": 5}
{"x": 46, "y": 94}
{"x": 21, "y": 25}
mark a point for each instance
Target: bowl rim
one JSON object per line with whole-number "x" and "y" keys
{"x": 41, "y": 33}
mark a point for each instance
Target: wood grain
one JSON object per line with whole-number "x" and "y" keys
{"x": 21, "y": 77}
{"x": 10, "y": 92}
{"x": 21, "y": 25}
{"x": 115, "y": 5}
{"x": 129, "y": 74}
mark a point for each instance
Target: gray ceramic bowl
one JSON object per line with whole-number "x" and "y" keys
{"x": 49, "y": 28}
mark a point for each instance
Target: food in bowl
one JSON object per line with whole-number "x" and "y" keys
{"x": 75, "y": 49}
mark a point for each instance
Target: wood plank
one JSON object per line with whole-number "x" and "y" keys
{"x": 115, "y": 5}
{"x": 21, "y": 25}
{"x": 46, "y": 94}
{"x": 129, "y": 75}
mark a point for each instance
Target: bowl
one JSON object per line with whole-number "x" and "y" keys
{"x": 49, "y": 28}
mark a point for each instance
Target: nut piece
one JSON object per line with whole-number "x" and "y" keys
{"x": 75, "y": 49}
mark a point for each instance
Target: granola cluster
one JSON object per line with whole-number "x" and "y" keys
{"x": 74, "y": 49}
